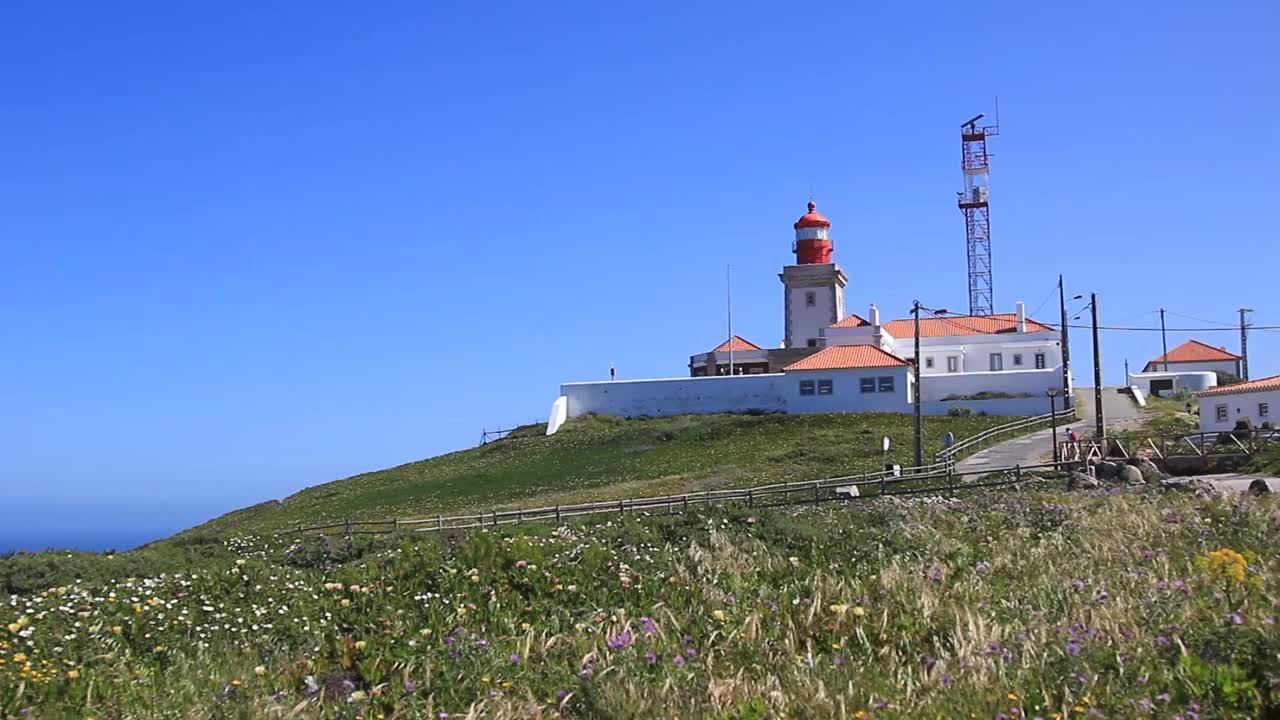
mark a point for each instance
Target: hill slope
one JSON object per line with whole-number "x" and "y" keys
{"x": 598, "y": 457}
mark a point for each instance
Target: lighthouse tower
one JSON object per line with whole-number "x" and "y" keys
{"x": 814, "y": 285}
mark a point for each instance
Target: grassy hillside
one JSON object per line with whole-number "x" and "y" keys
{"x": 594, "y": 458}
{"x": 1125, "y": 603}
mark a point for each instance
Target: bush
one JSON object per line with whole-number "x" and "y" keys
{"x": 960, "y": 412}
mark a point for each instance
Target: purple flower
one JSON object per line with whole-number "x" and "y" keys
{"x": 1147, "y": 554}
{"x": 562, "y": 694}
{"x": 410, "y": 686}
{"x": 1163, "y": 697}
{"x": 1236, "y": 618}
{"x": 1001, "y": 716}
{"x": 515, "y": 657}
{"x": 587, "y": 672}
{"x": 651, "y": 657}
{"x": 1074, "y": 647}
{"x": 1146, "y": 704}
{"x": 982, "y": 565}
{"x": 1162, "y": 640}
{"x": 647, "y": 626}
{"x": 679, "y": 661}
{"x": 619, "y": 641}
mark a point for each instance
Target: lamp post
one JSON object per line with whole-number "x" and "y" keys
{"x": 1053, "y": 421}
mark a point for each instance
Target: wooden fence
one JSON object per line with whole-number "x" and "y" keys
{"x": 1228, "y": 443}
{"x": 936, "y": 478}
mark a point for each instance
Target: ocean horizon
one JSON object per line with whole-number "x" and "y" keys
{"x": 31, "y": 526}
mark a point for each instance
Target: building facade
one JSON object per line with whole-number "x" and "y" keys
{"x": 1223, "y": 406}
{"x": 1196, "y": 356}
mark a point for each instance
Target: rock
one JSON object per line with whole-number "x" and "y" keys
{"x": 1150, "y": 471}
{"x": 1082, "y": 481}
{"x": 848, "y": 491}
{"x": 1106, "y": 470}
{"x": 1259, "y": 487}
{"x": 1195, "y": 486}
{"x": 1131, "y": 475}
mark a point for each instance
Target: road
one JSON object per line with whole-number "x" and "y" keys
{"x": 1118, "y": 409}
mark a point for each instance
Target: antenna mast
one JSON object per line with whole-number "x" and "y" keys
{"x": 977, "y": 215}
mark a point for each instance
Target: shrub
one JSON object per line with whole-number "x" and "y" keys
{"x": 960, "y": 412}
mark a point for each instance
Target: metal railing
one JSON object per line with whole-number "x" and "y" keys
{"x": 969, "y": 445}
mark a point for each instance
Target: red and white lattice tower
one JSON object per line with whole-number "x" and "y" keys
{"x": 977, "y": 214}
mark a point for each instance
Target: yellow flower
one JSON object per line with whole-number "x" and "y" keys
{"x": 346, "y": 602}
{"x": 260, "y": 671}
{"x": 236, "y": 682}
{"x": 858, "y": 611}
{"x": 506, "y": 684}
{"x": 525, "y": 626}
{"x": 14, "y": 627}
{"x": 116, "y": 629}
{"x": 20, "y": 657}
{"x": 486, "y": 679}
{"x": 1013, "y": 696}
{"x": 358, "y": 695}
{"x": 839, "y": 609}
{"x": 73, "y": 674}
{"x": 475, "y": 578}
{"x": 360, "y": 644}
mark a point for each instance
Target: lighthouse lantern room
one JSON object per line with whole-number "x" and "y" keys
{"x": 814, "y": 285}
{"x": 813, "y": 237}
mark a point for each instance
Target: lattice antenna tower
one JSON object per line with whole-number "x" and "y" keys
{"x": 973, "y": 202}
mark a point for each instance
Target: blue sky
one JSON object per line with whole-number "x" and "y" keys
{"x": 250, "y": 247}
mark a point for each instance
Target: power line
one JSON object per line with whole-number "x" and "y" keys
{"x": 1156, "y": 329}
{"x": 1233, "y": 326}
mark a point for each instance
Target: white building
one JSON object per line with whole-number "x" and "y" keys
{"x": 1164, "y": 384}
{"x": 1004, "y": 363}
{"x": 1221, "y": 407}
{"x": 1192, "y": 356}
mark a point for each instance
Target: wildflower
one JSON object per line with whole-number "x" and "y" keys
{"x": 358, "y": 695}
{"x": 73, "y": 674}
{"x": 14, "y": 627}
{"x": 1236, "y": 618}
{"x": 718, "y": 615}
{"x": 647, "y": 626}
{"x": 361, "y": 644}
{"x": 1074, "y": 647}
{"x": 1013, "y": 696}
{"x": 116, "y": 629}
{"x": 858, "y": 611}
{"x": 345, "y": 602}
{"x": 619, "y": 641}
{"x": 839, "y": 609}
{"x": 259, "y": 671}
{"x": 679, "y": 660}
{"x": 236, "y": 682}
{"x": 651, "y": 657}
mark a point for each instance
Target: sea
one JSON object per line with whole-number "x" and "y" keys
{"x": 94, "y": 526}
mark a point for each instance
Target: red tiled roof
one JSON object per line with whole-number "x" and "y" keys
{"x": 962, "y": 325}
{"x": 847, "y": 356}
{"x": 737, "y": 343}
{"x": 852, "y": 320}
{"x": 1266, "y": 383}
{"x": 1196, "y": 351}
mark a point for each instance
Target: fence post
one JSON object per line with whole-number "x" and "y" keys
{"x": 1017, "y": 474}
{"x": 751, "y": 498}
{"x": 557, "y": 513}
{"x": 864, "y": 477}
{"x": 816, "y": 490}
{"x": 686, "y": 502}
{"x": 621, "y": 509}
{"x": 348, "y": 527}
{"x": 786, "y": 492}
{"x": 495, "y": 518}
{"x": 670, "y": 510}
{"x": 395, "y": 526}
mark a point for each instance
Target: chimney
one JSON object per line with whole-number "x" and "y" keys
{"x": 873, "y": 316}
{"x": 1022, "y": 317}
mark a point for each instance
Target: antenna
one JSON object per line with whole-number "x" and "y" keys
{"x": 728, "y": 297}
{"x": 975, "y": 164}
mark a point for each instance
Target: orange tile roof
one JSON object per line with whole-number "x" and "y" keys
{"x": 1266, "y": 383}
{"x": 737, "y": 343}
{"x": 852, "y": 320}
{"x": 840, "y": 357}
{"x": 962, "y": 325}
{"x": 1196, "y": 351}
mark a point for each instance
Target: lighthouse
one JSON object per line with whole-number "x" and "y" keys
{"x": 814, "y": 285}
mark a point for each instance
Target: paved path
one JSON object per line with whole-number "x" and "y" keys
{"x": 1236, "y": 482}
{"x": 1119, "y": 410}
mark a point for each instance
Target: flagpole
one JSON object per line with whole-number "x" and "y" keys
{"x": 728, "y": 296}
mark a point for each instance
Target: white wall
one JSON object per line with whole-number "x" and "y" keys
{"x": 1190, "y": 380}
{"x": 847, "y": 395}
{"x": 1239, "y": 405}
{"x": 974, "y": 351}
{"x": 676, "y": 396}
{"x": 1002, "y": 406}
{"x": 1226, "y": 366}
{"x": 1036, "y": 382}
{"x": 806, "y": 322}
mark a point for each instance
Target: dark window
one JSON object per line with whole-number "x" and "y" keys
{"x": 806, "y": 387}
{"x": 1017, "y": 358}
{"x": 1039, "y": 361}
{"x": 810, "y": 299}
{"x": 867, "y": 385}
{"x": 886, "y": 384}
{"x": 813, "y": 342}
{"x": 997, "y": 362}
{"x": 824, "y": 387}
{"x": 928, "y": 362}
{"x": 1264, "y": 409}
{"x": 1220, "y": 412}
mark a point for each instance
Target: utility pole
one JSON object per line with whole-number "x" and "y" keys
{"x": 728, "y": 304}
{"x": 1100, "y": 424}
{"x": 1053, "y": 420}
{"x": 1244, "y": 344}
{"x": 919, "y": 421}
{"x": 1164, "y": 341}
{"x": 1066, "y": 348}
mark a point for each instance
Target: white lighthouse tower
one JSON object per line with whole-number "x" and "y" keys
{"x": 814, "y": 285}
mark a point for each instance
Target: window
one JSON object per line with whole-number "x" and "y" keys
{"x": 806, "y": 387}
{"x": 1220, "y": 413}
{"x": 812, "y": 342}
{"x": 885, "y": 383}
{"x": 1264, "y": 409}
{"x": 810, "y": 299}
{"x": 867, "y": 385}
{"x": 1039, "y": 361}
{"x": 997, "y": 362}
{"x": 824, "y": 387}
{"x": 953, "y": 364}
{"x": 928, "y": 363}
{"x": 1017, "y": 359}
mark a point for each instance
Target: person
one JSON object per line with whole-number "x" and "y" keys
{"x": 1073, "y": 445}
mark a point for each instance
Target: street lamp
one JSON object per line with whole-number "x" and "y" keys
{"x": 1053, "y": 421}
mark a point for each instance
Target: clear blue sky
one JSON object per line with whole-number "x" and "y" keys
{"x": 245, "y": 249}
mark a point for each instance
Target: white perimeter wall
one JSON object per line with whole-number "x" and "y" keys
{"x": 1190, "y": 380}
{"x": 1238, "y": 406}
{"x": 675, "y": 396}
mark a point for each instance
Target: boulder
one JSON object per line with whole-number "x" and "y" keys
{"x": 1150, "y": 471}
{"x": 1131, "y": 475}
{"x": 1082, "y": 481}
{"x": 1105, "y": 469}
{"x": 848, "y": 491}
{"x": 1259, "y": 487}
{"x": 1195, "y": 486}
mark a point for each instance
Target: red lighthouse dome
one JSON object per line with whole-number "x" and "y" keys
{"x": 813, "y": 238}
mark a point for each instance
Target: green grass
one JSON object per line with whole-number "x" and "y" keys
{"x": 599, "y": 458}
{"x": 1021, "y": 604}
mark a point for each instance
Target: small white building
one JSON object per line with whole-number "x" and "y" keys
{"x": 1194, "y": 355}
{"x": 1164, "y": 384}
{"x": 1221, "y": 407}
